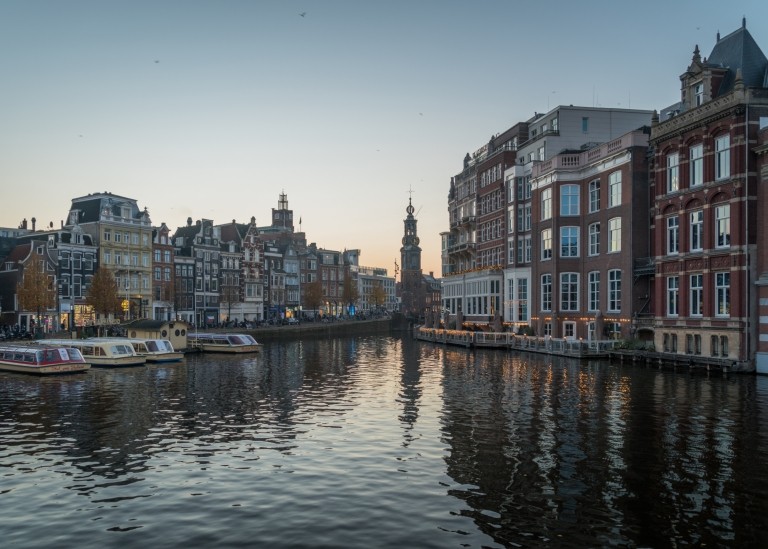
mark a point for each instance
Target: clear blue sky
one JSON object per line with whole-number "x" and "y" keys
{"x": 211, "y": 109}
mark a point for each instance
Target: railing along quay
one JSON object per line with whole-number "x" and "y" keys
{"x": 506, "y": 340}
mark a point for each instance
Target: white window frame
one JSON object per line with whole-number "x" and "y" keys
{"x": 546, "y": 244}
{"x": 546, "y": 204}
{"x": 673, "y": 172}
{"x": 614, "y": 290}
{"x": 723, "y": 226}
{"x": 594, "y": 196}
{"x": 614, "y": 189}
{"x": 723, "y": 294}
{"x": 722, "y": 157}
{"x": 569, "y": 292}
{"x": 697, "y": 230}
{"x": 614, "y": 235}
{"x": 673, "y": 235}
{"x": 570, "y": 196}
{"x": 673, "y": 296}
{"x": 696, "y": 294}
{"x": 593, "y": 232}
{"x": 696, "y": 165}
{"x": 546, "y": 292}
{"x": 572, "y": 248}
{"x": 593, "y": 288}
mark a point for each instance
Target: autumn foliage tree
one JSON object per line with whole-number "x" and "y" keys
{"x": 313, "y": 295}
{"x": 349, "y": 293}
{"x": 37, "y": 289}
{"x": 378, "y": 295}
{"x": 103, "y": 294}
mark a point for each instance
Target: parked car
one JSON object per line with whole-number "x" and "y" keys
{"x": 291, "y": 321}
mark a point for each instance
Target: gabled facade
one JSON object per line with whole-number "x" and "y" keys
{"x": 707, "y": 243}
{"x": 251, "y": 267}
{"x": 201, "y": 243}
{"x": 163, "y": 276}
{"x": 123, "y": 234}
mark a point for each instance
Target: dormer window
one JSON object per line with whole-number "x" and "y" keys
{"x": 698, "y": 94}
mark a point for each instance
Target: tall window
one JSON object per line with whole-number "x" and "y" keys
{"x": 722, "y": 294}
{"x": 696, "y": 165}
{"x": 522, "y": 299}
{"x": 697, "y": 294}
{"x": 546, "y": 244}
{"x": 594, "y": 239}
{"x": 594, "y": 196}
{"x": 614, "y": 290}
{"x": 524, "y": 249}
{"x": 614, "y": 189}
{"x": 722, "y": 157}
{"x": 569, "y": 242}
{"x": 546, "y": 204}
{"x": 673, "y": 234}
{"x": 594, "y": 291}
{"x": 697, "y": 230}
{"x": 546, "y": 292}
{"x": 723, "y": 226}
{"x": 569, "y": 200}
{"x": 673, "y": 172}
{"x": 698, "y": 94}
{"x": 569, "y": 291}
{"x": 614, "y": 234}
{"x": 673, "y": 295}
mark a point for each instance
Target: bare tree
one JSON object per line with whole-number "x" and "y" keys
{"x": 37, "y": 289}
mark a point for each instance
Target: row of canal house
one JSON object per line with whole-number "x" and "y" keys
{"x": 203, "y": 273}
{"x": 591, "y": 223}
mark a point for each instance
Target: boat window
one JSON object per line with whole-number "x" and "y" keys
{"x": 152, "y": 346}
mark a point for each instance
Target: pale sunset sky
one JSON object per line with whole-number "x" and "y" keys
{"x": 211, "y": 109}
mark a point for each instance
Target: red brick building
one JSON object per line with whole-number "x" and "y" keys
{"x": 705, "y": 184}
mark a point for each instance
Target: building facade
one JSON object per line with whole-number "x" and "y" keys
{"x": 709, "y": 253}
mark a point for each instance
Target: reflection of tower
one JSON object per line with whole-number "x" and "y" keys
{"x": 410, "y": 264}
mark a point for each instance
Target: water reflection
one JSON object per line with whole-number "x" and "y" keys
{"x": 381, "y": 441}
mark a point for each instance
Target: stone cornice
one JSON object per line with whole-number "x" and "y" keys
{"x": 707, "y": 113}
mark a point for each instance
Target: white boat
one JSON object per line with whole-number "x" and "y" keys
{"x": 223, "y": 343}
{"x": 156, "y": 350}
{"x": 102, "y": 351}
{"x": 34, "y": 359}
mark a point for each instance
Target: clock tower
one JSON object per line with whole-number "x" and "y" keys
{"x": 411, "y": 279}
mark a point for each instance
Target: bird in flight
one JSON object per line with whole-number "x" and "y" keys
{"x": 303, "y": 13}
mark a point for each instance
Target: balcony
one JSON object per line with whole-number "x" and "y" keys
{"x": 644, "y": 266}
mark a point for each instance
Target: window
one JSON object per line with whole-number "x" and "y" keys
{"x": 546, "y": 244}
{"x": 522, "y": 300}
{"x": 696, "y": 294}
{"x": 546, "y": 292}
{"x": 714, "y": 345}
{"x": 594, "y": 291}
{"x": 697, "y": 228}
{"x": 569, "y": 242}
{"x": 614, "y": 234}
{"x": 594, "y": 196}
{"x": 673, "y": 235}
{"x": 614, "y": 189}
{"x": 673, "y": 172}
{"x": 723, "y": 226}
{"x": 585, "y": 124}
{"x": 722, "y": 157}
{"x": 158, "y": 256}
{"x": 673, "y": 290}
{"x": 698, "y": 94}
{"x": 157, "y": 273}
{"x": 696, "y": 165}
{"x": 107, "y": 235}
{"x": 524, "y": 249}
{"x": 569, "y": 200}
{"x": 722, "y": 294}
{"x": 569, "y": 292}
{"x": 594, "y": 239}
{"x": 614, "y": 290}
{"x": 546, "y": 204}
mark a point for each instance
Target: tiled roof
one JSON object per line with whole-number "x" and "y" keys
{"x": 736, "y": 51}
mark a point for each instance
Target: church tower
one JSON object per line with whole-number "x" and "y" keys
{"x": 411, "y": 279}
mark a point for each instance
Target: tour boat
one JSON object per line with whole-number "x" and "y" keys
{"x": 223, "y": 343}
{"x": 102, "y": 351}
{"x": 32, "y": 359}
{"x": 156, "y": 350}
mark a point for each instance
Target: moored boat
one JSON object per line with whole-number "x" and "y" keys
{"x": 33, "y": 359}
{"x": 223, "y": 343}
{"x": 102, "y": 351}
{"x": 156, "y": 350}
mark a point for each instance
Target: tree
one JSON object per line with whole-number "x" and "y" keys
{"x": 37, "y": 289}
{"x": 230, "y": 295}
{"x": 378, "y": 295}
{"x": 103, "y": 294}
{"x": 313, "y": 295}
{"x": 349, "y": 293}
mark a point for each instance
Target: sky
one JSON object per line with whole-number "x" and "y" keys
{"x": 212, "y": 109}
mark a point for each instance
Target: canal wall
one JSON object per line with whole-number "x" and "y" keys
{"x": 340, "y": 328}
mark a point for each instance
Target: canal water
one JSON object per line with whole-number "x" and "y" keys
{"x": 383, "y": 442}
